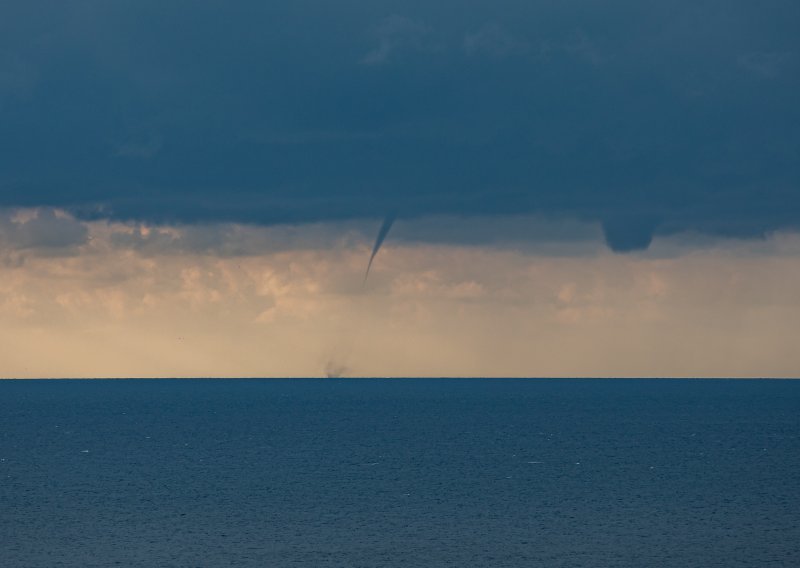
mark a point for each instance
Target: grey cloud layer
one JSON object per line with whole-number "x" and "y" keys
{"x": 42, "y": 230}
{"x": 645, "y": 117}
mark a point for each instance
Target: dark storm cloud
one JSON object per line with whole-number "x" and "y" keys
{"x": 645, "y": 117}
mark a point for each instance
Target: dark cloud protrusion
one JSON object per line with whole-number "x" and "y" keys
{"x": 629, "y": 234}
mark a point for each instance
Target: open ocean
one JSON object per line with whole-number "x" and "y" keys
{"x": 405, "y": 472}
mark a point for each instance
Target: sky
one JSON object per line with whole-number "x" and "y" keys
{"x": 580, "y": 188}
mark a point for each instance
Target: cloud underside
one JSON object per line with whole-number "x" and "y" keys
{"x": 645, "y": 122}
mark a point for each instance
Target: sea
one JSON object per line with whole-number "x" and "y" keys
{"x": 400, "y": 473}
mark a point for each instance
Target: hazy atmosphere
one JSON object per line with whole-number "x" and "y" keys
{"x": 232, "y": 300}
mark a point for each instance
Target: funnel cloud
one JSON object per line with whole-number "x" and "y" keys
{"x": 388, "y": 221}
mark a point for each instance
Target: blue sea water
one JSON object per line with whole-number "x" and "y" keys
{"x": 384, "y": 473}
